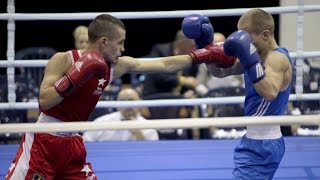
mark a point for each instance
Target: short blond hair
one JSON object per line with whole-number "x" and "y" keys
{"x": 257, "y": 20}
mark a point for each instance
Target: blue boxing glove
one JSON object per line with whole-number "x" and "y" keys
{"x": 239, "y": 44}
{"x": 199, "y": 28}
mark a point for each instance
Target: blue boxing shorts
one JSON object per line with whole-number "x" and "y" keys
{"x": 257, "y": 159}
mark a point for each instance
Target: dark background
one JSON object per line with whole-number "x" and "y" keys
{"x": 141, "y": 33}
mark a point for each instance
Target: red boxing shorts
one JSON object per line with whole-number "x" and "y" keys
{"x": 51, "y": 156}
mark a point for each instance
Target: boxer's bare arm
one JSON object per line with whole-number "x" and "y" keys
{"x": 169, "y": 64}
{"x": 55, "y": 69}
{"x": 278, "y": 76}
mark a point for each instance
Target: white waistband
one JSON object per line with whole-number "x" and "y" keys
{"x": 43, "y": 118}
{"x": 263, "y": 132}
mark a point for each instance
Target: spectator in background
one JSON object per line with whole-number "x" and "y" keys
{"x": 123, "y": 114}
{"x": 310, "y": 79}
{"x": 80, "y": 35}
{"x": 186, "y": 77}
{"x": 166, "y": 85}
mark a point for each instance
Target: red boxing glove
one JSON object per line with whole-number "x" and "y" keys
{"x": 213, "y": 53}
{"x": 90, "y": 64}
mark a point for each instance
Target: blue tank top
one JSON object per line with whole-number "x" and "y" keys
{"x": 256, "y": 105}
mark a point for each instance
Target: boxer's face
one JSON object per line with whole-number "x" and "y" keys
{"x": 255, "y": 37}
{"x": 129, "y": 113}
{"x": 113, "y": 48}
{"x": 258, "y": 40}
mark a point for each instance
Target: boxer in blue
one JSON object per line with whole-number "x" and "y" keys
{"x": 267, "y": 70}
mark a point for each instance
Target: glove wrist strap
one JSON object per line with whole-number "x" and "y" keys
{"x": 199, "y": 56}
{"x": 256, "y": 72}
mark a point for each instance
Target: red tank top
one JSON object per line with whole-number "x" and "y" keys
{"x": 79, "y": 105}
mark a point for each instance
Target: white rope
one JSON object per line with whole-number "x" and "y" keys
{"x": 164, "y": 102}
{"x": 151, "y": 14}
{"x": 10, "y": 52}
{"x": 43, "y": 62}
{"x": 24, "y": 63}
{"x": 305, "y": 54}
{"x": 160, "y": 124}
{"x": 299, "y": 60}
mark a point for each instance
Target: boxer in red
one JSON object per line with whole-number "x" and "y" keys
{"x": 70, "y": 90}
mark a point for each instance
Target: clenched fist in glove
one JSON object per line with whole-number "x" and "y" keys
{"x": 239, "y": 44}
{"x": 199, "y": 28}
{"x": 89, "y": 65}
{"x": 214, "y": 54}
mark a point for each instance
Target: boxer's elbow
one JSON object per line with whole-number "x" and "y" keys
{"x": 47, "y": 101}
{"x": 267, "y": 88}
{"x": 268, "y": 94}
{"x": 44, "y": 103}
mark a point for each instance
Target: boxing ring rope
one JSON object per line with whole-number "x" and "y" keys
{"x": 43, "y": 62}
{"x": 299, "y": 60}
{"x": 11, "y": 52}
{"x": 150, "y": 14}
{"x": 160, "y": 124}
{"x": 164, "y": 102}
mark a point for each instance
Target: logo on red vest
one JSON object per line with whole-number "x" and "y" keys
{"x": 100, "y": 87}
{"x": 78, "y": 65}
